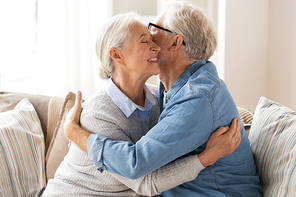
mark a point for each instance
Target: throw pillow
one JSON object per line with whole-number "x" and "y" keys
{"x": 273, "y": 141}
{"x": 21, "y": 151}
{"x": 8, "y": 100}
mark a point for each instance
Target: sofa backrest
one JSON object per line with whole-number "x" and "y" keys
{"x": 8, "y": 100}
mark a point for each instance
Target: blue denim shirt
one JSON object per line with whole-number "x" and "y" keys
{"x": 196, "y": 105}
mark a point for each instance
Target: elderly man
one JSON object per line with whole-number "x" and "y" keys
{"x": 195, "y": 103}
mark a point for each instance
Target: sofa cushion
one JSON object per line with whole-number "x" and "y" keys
{"x": 273, "y": 141}
{"x": 21, "y": 151}
{"x": 246, "y": 118}
{"x": 8, "y": 100}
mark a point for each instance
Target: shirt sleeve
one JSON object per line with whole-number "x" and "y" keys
{"x": 183, "y": 129}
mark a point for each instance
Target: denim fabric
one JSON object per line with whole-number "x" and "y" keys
{"x": 197, "y": 104}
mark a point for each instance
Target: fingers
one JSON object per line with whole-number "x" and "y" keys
{"x": 233, "y": 134}
{"x": 78, "y": 103}
{"x": 220, "y": 131}
{"x": 74, "y": 113}
{"x": 237, "y": 142}
{"x": 78, "y": 100}
{"x": 237, "y": 135}
{"x": 233, "y": 127}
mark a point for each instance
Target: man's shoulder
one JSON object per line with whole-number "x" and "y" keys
{"x": 205, "y": 81}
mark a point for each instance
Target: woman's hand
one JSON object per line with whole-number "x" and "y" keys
{"x": 221, "y": 143}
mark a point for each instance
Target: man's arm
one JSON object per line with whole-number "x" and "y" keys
{"x": 72, "y": 129}
{"x": 173, "y": 174}
{"x": 220, "y": 144}
{"x": 184, "y": 169}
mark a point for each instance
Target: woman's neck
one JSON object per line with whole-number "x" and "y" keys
{"x": 132, "y": 87}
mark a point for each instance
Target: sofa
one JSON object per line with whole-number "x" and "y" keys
{"x": 33, "y": 144}
{"x": 32, "y": 140}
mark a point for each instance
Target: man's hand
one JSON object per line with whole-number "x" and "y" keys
{"x": 72, "y": 129}
{"x": 221, "y": 143}
{"x": 73, "y": 116}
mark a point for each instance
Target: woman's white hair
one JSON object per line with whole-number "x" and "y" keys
{"x": 194, "y": 25}
{"x": 114, "y": 33}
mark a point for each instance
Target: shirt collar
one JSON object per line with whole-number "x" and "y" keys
{"x": 125, "y": 104}
{"x": 181, "y": 80}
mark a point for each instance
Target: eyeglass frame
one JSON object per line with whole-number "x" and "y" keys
{"x": 162, "y": 28}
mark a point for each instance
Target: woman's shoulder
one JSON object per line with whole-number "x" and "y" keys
{"x": 99, "y": 105}
{"x": 97, "y": 101}
{"x": 97, "y": 96}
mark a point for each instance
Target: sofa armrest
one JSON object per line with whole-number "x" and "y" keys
{"x": 57, "y": 143}
{"x": 54, "y": 114}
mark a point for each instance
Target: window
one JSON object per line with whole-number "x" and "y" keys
{"x": 18, "y": 41}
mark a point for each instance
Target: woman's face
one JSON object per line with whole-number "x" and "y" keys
{"x": 140, "y": 53}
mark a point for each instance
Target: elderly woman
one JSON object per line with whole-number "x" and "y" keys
{"x": 125, "y": 109}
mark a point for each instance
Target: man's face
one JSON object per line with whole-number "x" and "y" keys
{"x": 160, "y": 37}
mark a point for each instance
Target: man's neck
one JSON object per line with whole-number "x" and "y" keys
{"x": 170, "y": 73}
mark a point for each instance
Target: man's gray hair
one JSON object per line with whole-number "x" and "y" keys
{"x": 115, "y": 33}
{"x": 196, "y": 27}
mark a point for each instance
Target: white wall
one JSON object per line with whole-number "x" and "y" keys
{"x": 142, "y": 7}
{"x": 246, "y": 39}
{"x": 260, "y": 50}
{"x": 282, "y": 52}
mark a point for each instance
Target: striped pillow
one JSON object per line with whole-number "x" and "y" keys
{"x": 21, "y": 151}
{"x": 273, "y": 141}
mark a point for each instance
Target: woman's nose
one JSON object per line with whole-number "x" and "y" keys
{"x": 155, "y": 47}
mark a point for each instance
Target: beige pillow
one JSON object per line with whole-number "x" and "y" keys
{"x": 273, "y": 142}
{"x": 58, "y": 147}
{"x": 21, "y": 151}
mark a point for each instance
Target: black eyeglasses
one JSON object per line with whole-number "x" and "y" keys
{"x": 150, "y": 25}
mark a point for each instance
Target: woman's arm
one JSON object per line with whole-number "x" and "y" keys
{"x": 164, "y": 178}
{"x": 221, "y": 143}
{"x": 74, "y": 133}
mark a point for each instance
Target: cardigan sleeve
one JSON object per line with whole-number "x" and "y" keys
{"x": 166, "y": 177}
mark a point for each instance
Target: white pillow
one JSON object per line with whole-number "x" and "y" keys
{"x": 273, "y": 141}
{"x": 21, "y": 151}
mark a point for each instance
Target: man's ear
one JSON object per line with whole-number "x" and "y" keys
{"x": 176, "y": 42}
{"x": 116, "y": 56}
